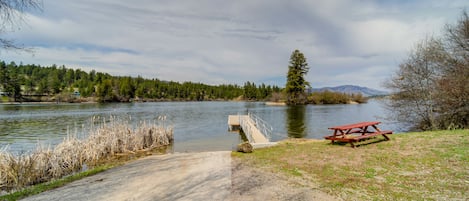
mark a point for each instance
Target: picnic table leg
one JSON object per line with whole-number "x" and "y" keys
{"x": 379, "y": 130}
{"x": 353, "y": 145}
{"x": 376, "y": 128}
{"x": 335, "y": 132}
{"x": 364, "y": 130}
{"x": 386, "y": 137}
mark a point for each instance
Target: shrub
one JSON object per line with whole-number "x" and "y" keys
{"x": 329, "y": 97}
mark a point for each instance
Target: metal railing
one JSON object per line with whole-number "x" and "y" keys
{"x": 246, "y": 127}
{"x": 262, "y": 125}
{"x": 258, "y": 123}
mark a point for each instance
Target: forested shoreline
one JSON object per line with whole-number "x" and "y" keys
{"x": 32, "y": 82}
{"x": 35, "y": 83}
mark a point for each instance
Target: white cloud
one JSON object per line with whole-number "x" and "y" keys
{"x": 232, "y": 42}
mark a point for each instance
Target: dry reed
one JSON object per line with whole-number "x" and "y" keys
{"x": 106, "y": 138}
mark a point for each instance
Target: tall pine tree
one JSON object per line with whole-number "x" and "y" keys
{"x": 296, "y": 84}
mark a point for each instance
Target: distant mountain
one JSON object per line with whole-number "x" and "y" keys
{"x": 349, "y": 89}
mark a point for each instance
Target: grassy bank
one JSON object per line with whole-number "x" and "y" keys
{"x": 412, "y": 166}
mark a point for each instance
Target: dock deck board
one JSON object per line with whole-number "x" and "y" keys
{"x": 233, "y": 120}
{"x": 256, "y": 134}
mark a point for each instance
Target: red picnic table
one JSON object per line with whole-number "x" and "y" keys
{"x": 356, "y": 132}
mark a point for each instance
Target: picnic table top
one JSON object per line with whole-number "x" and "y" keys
{"x": 355, "y": 125}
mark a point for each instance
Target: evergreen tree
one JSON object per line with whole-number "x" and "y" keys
{"x": 250, "y": 91}
{"x": 105, "y": 92}
{"x": 14, "y": 84}
{"x": 126, "y": 89}
{"x": 10, "y": 80}
{"x": 296, "y": 83}
{"x": 3, "y": 75}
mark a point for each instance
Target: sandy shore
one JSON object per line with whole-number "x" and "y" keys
{"x": 275, "y": 103}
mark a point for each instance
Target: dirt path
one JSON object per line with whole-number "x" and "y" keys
{"x": 255, "y": 184}
{"x": 184, "y": 176}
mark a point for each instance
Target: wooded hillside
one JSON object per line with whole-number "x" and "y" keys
{"x": 34, "y": 82}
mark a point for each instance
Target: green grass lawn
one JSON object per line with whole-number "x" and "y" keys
{"x": 411, "y": 166}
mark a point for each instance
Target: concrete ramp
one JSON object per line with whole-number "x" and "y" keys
{"x": 180, "y": 176}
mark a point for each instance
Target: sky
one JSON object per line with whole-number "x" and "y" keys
{"x": 358, "y": 42}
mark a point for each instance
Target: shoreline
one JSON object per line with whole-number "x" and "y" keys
{"x": 268, "y": 103}
{"x": 46, "y": 103}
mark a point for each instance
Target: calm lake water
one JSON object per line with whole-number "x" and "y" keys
{"x": 198, "y": 126}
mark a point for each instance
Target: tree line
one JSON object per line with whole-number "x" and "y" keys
{"x": 57, "y": 83}
{"x": 24, "y": 82}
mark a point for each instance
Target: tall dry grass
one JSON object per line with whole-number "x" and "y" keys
{"x": 107, "y": 137}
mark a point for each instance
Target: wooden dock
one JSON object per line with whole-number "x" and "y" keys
{"x": 233, "y": 122}
{"x": 249, "y": 127}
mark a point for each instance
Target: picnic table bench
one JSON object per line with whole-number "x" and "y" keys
{"x": 357, "y": 132}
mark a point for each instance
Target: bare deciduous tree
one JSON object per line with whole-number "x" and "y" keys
{"x": 11, "y": 13}
{"x": 414, "y": 85}
{"x": 454, "y": 85}
{"x": 431, "y": 87}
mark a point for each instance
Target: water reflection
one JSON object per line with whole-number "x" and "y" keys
{"x": 296, "y": 127}
{"x": 197, "y": 125}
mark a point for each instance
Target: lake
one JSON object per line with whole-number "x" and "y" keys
{"x": 198, "y": 126}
